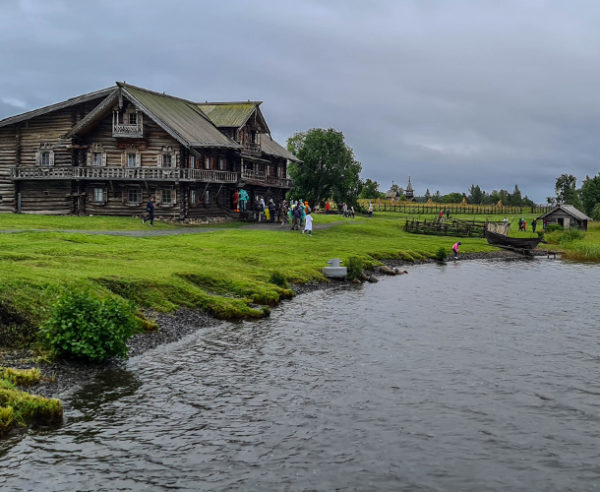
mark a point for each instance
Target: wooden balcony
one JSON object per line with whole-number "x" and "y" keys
{"x": 122, "y": 130}
{"x": 123, "y": 174}
{"x": 260, "y": 178}
{"x": 252, "y": 148}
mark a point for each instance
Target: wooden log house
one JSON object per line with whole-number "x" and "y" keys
{"x": 106, "y": 152}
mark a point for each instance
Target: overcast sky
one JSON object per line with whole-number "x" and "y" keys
{"x": 452, "y": 92}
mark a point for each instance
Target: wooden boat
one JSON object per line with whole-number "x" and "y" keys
{"x": 503, "y": 241}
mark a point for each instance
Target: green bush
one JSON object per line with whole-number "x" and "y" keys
{"x": 554, "y": 227}
{"x": 595, "y": 214}
{"x": 571, "y": 234}
{"x": 279, "y": 279}
{"x": 441, "y": 254}
{"x": 86, "y": 327}
{"x": 355, "y": 268}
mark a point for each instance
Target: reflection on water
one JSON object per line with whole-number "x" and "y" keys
{"x": 473, "y": 376}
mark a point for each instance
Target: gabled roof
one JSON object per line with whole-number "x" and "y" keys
{"x": 233, "y": 114}
{"x": 569, "y": 209}
{"x": 271, "y": 147}
{"x": 180, "y": 118}
{"x": 90, "y": 96}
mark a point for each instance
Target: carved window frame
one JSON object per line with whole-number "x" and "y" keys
{"x": 96, "y": 148}
{"x": 45, "y": 148}
{"x": 104, "y": 192}
{"x": 167, "y": 151}
{"x": 131, "y": 149}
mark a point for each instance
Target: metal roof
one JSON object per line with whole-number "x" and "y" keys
{"x": 90, "y": 96}
{"x": 229, "y": 115}
{"x": 271, "y": 147}
{"x": 569, "y": 209}
{"x": 181, "y": 118}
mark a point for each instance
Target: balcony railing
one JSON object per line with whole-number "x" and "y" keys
{"x": 124, "y": 173}
{"x": 252, "y": 148}
{"x": 128, "y": 131}
{"x": 258, "y": 177}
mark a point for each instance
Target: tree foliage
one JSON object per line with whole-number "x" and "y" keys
{"x": 590, "y": 196}
{"x": 566, "y": 190}
{"x": 328, "y": 167}
{"x": 370, "y": 189}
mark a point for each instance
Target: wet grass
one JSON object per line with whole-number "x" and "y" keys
{"x": 19, "y": 408}
{"x": 578, "y": 247}
{"x": 226, "y": 272}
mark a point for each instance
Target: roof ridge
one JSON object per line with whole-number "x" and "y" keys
{"x": 223, "y": 103}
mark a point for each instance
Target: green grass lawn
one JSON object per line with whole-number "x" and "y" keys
{"x": 68, "y": 222}
{"x": 225, "y": 272}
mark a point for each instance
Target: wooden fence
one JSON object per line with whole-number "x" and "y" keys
{"x": 421, "y": 209}
{"x": 450, "y": 227}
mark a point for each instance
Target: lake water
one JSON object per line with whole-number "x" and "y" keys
{"x": 467, "y": 377}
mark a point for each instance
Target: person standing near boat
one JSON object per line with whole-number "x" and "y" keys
{"x": 455, "y": 247}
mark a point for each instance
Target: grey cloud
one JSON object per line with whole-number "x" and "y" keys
{"x": 448, "y": 92}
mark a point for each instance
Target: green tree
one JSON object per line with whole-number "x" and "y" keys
{"x": 566, "y": 190}
{"x": 427, "y": 195}
{"x": 370, "y": 189}
{"x": 328, "y": 167}
{"x": 590, "y": 194}
{"x": 475, "y": 195}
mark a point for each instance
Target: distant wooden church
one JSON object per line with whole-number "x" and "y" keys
{"x": 396, "y": 192}
{"x": 107, "y": 151}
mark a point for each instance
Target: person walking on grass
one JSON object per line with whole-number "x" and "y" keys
{"x": 308, "y": 224}
{"x": 150, "y": 211}
{"x": 455, "y": 247}
{"x": 370, "y": 210}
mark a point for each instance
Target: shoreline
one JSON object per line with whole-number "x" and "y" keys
{"x": 63, "y": 375}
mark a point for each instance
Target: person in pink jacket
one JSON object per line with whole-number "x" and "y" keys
{"x": 455, "y": 249}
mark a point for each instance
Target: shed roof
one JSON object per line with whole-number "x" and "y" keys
{"x": 179, "y": 117}
{"x": 90, "y": 96}
{"x": 271, "y": 147}
{"x": 569, "y": 209}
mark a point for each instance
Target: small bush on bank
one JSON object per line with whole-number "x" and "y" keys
{"x": 355, "y": 268}
{"x": 85, "y": 327}
{"x": 571, "y": 235}
{"x": 441, "y": 254}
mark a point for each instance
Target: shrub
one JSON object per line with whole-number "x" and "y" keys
{"x": 278, "y": 278}
{"x": 571, "y": 235}
{"x": 86, "y": 327}
{"x": 554, "y": 227}
{"x": 441, "y": 254}
{"x": 355, "y": 268}
{"x": 595, "y": 214}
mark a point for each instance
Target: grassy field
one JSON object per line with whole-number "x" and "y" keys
{"x": 224, "y": 272}
{"x": 577, "y": 246}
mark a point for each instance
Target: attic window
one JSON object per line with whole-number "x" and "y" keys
{"x": 45, "y": 155}
{"x": 45, "y": 158}
{"x": 133, "y": 118}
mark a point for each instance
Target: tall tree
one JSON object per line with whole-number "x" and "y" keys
{"x": 370, "y": 189}
{"x": 590, "y": 195}
{"x": 328, "y": 167}
{"x": 566, "y": 190}
{"x": 475, "y": 195}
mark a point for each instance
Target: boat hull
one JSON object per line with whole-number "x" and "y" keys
{"x": 501, "y": 240}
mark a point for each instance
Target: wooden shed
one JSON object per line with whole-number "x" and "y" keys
{"x": 566, "y": 216}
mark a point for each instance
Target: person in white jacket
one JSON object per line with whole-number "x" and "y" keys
{"x": 308, "y": 223}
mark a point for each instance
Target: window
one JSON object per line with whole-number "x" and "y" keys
{"x": 193, "y": 197}
{"x": 166, "y": 197}
{"x": 207, "y": 163}
{"x": 192, "y": 161}
{"x": 134, "y": 195}
{"x": 133, "y": 118}
{"x": 166, "y": 160}
{"x": 45, "y": 158}
{"x": 131, "y": 160}
{"x": 97, "y": 159}
{"x": 222, "y": 164}
{"x": 99, "y": 194}
{"x": 206, "y": 198}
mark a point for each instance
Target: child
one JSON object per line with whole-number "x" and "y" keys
{"x": 308, "y": 224}
{"x": 455, "y": 249}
